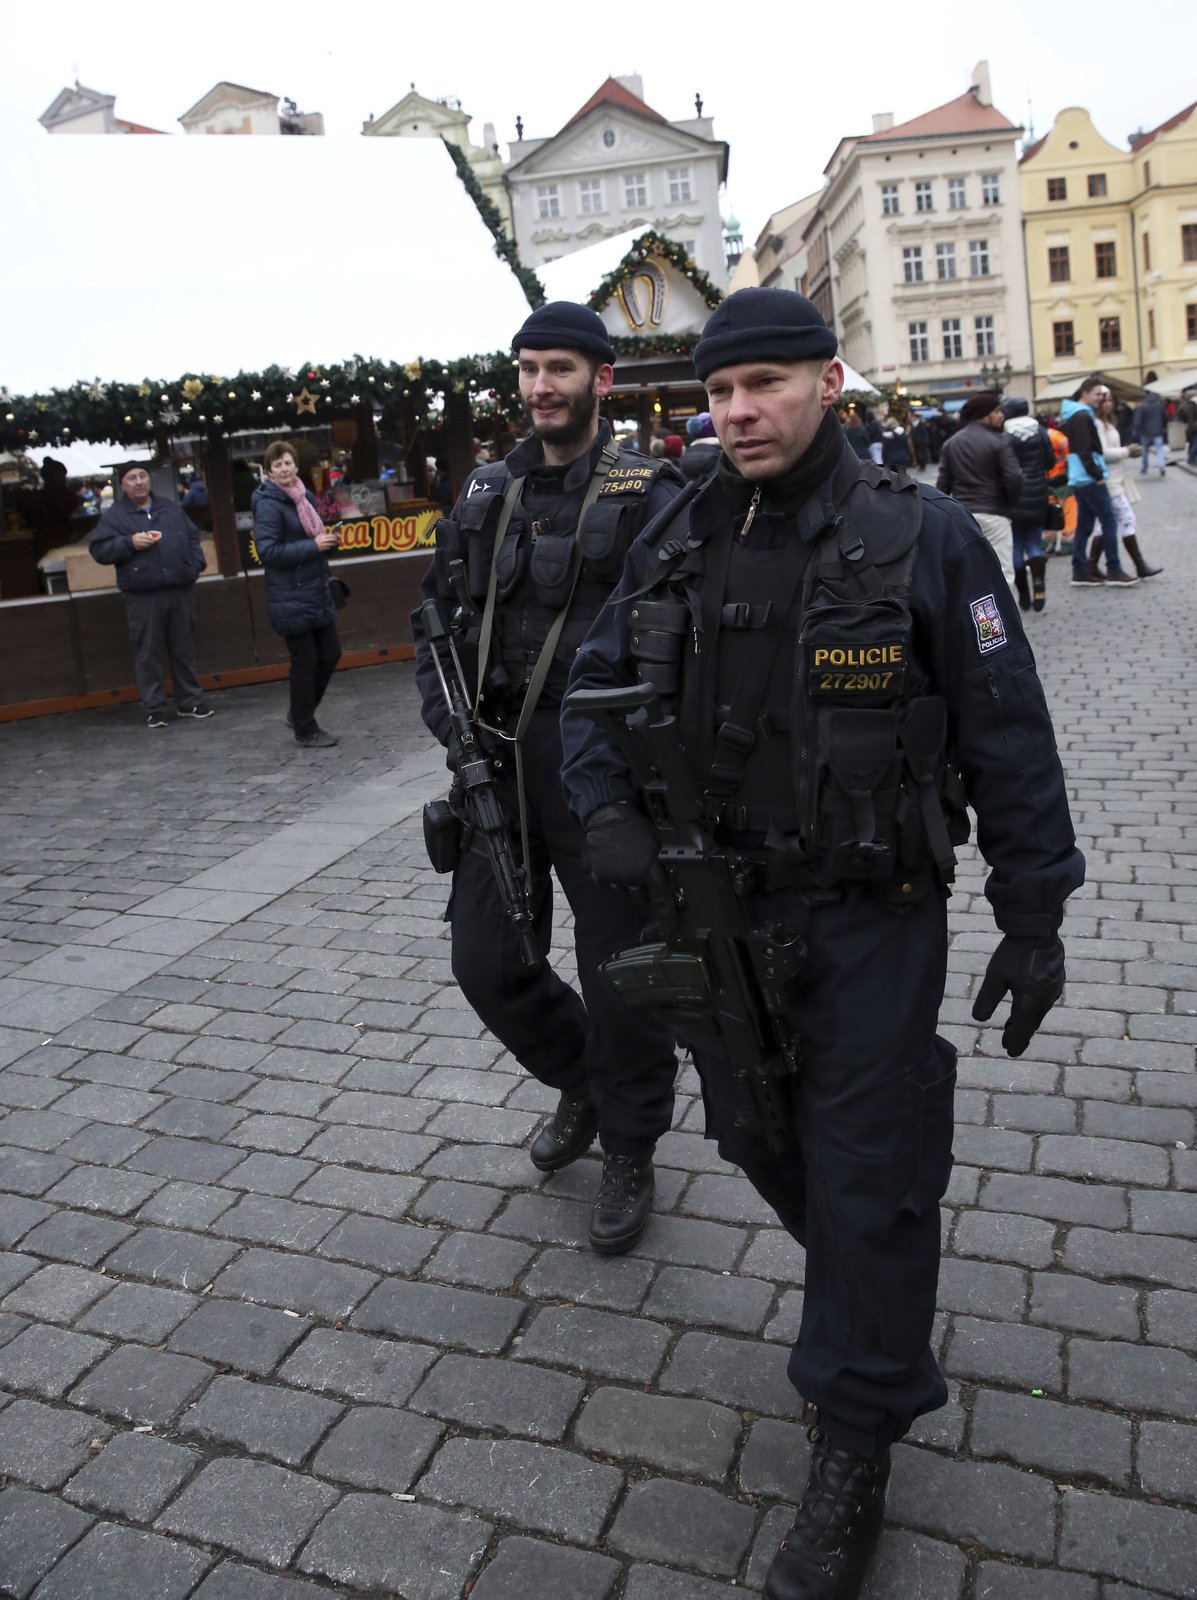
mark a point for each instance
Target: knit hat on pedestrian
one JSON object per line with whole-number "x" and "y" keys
{"x": 674, "y": 445}
{"x": 564, "y": 325}
{"x": 131, "y": 466}
{"x": 701, "y": 426}
{"x": 978, "y": 406}
{"x": 762, "y": 325}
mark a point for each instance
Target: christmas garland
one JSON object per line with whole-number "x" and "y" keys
{"x": 490, "y": 214}
{"x": 653, "y": 245}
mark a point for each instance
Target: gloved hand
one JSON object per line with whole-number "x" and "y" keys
{"x": 453, "y": 753}
{"x": 622, "y": 846}
{"x": 1032, "y": 970}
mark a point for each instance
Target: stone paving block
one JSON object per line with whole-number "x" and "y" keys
{"x": 1060, "y": 1199}
{"x": 141, "y": 1070}
{"x": 414, "y": 1551}
{"x": 774, "y": 1254}
{"x": 18, "y": 1216}
{"x": 378, "y": 1193}
{"x": 281, "y": 1098}
{"x": 1132, "y": 1539}
{"x": 661, "y": 1583}
{"x": 378, "y": 1447}
{"x": 993, "y": 1147}
{"x": 102, "y": 1102}
{"x": 35, "y": 1530}
{"x": 325, "y": 1289}
{"x": 207, "y": 1083}
{"x": 386, "y": 1246}
{"x": 1167, "y": 1460}
{"x": 57, "y": 1293}
{"x": 689, "y": 1437}
{"x": 264, "y": 1419}
{"x": 1062, "y": 1300}
{"x": 724, "y": 1199}
{"x": 101, "y": 1189}
{"x": 266, "y": 1219}
{"x": 458, "y": 1205}
{"x": 30, "y": 1172}
{"x": 133, "y": 1476}
{"x": 478, "y": 1260}
{"x": 570, "y": 1275}
{"x": 46, "y": 1361}
{"x": 193, "y": 1119}
{"x": 23, "y": 1091}
{"x": 248, "y": 1338}
{"x": 688, "y": 1242}
{"x": 599, "y": 1342}
{"x": 998, "y": 1581}
{"x": 285, "y": 1135}
{"x": 695, "y": 1299}
{"x": 112, "y": 1563}
{"x": 684, "y": 1525}
{"x": 994, "y": 1506}
{"x": 492, "y": 1395}
{"x": 193, "y": 1160}
{"x": 76, "y": 1236}
{"x": 775, "y": 1460}
{"x": 545, "y": 1219}
{"x": 784, "y": 1324}
{"x": 1067, "y": 1441}
{"x": 1152, "y": 1211}
{"x": 145, "y": 1387}
{"x": 186, "y": 1205}
{"x": 15, "y": 1268}
{"x": 1140, "y": 1257}
{"x": 377, "y": 1148}
{"x": 477, "y": 1322}
{"x": 1003, "y": 1352}
{"x": 999, "y": 1236}
{"x": 231, "y": 1581}
{"x": 981, "y": 1287}
{"x": 394, "y": 1111}
{"x": 41, "y": 1446}
{"x": 265, "y": 1173}
{"x": 1133, "y": 1377}
{"x": 259, "y": 1511}
{"x": 483, "y": 1163}
{"x": 523, "y": 1567}
{"x": 1172, "y": 1318}
{"x": 535, "y": 1486}
{"x": 1103, "y": 1160}
{"x": 910, "y": 1567}
{"x": 104, "y": 1144}
{"x": 736, "y": 1372}
{"x": 358, "y": 1367}
{"x": 169, "y": 1256}
{"x": 10, "y": 1326}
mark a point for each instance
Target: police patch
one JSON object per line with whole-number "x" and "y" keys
{"x": 628, "y": 480}
{"x": 987, "y": 619}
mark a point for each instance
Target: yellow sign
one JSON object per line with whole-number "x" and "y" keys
{"x": 382, "y": 535}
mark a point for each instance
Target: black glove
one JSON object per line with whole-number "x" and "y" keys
{"x": 622, "y": 847}
{"x": 1032, "y": 970}
{"x": 453, "y": 753}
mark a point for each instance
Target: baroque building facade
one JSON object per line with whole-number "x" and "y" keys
{"x": 418, "y": 117}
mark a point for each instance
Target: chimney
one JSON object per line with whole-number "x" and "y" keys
{"x": 980, "y": 84}
{"x": 488, "y": 136}
{"x": 883, "y": 121}
{"x": 632, "y": 82}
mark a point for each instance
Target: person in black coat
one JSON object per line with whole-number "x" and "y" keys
{"x": 292, "y": 545}
{"x": 1033, "y": 451}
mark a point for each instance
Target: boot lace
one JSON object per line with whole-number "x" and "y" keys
{"x": 618, "y": 1187}
{"x": 840, "y": 1484}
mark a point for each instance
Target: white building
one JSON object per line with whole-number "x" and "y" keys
{"x": 234, "y": 108}
{"x": 416, "y": 116}
{"x": 84, "y": 110}
{"x": 924, "y": 229}
{"x": 618, "y": 165}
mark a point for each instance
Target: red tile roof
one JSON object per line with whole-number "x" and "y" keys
{"x": 613, "y": 93}
{"x": 1142, "y": 139}
{"x": 137, "y": 127}
{"x": 965, "y": 114}
{"x": 1032, "y": 149}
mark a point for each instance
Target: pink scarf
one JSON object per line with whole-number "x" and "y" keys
{"x": 309, "y": 517}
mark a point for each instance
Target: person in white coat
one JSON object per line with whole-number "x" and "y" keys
{"x": 1124, "y": 491}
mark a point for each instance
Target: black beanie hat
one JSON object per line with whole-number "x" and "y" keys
{"x": 762, "y": 325}
{"x": 130, "y": 466}
{"x": 564, "y": 325}
{"x": 978, "y": 406}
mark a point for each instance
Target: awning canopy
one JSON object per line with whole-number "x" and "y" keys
{"x": 1175, "y": 383}
{"x": 1066, "y": 388}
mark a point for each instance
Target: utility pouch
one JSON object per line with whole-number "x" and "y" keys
{"x": 856, "y": 654}
{"x": 603, "y": 542}
{"x": 658, "y": 637}
{"x": 478, "y": 523}
{"x": 859, "y": 770}
{"x": 442, "y": 835}
{"x": 550, "y": 568}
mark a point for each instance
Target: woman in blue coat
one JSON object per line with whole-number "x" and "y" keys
{"x": 292, "y": 543}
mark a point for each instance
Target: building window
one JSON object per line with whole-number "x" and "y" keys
{"x": 984, "y": 331}
{"x": 1063, "y": 339}
{"x": 678, "y": 180}
{"x": 1147, "y": 174}
{"x": 1188, "y": 241}
{"x": 912, "y": 263}
{"x": 945, "y": 260}
{"x": 1146, "y": 252}
{"x": 1106, "y": 255}
{"x": 548, "y": 202}
{"x": 922, "y": 195}
{"x": 1058, "y": 268}
{"x": 1057, "y": 188}
{"x": 953, "y": 339}
{"x": 991, "y": 189}
{"x": 1097, "y": 185}
{"x": 920, "y": 344}
{"x": 889, "y": 200}
{"x": 1110, "y": 329}
{"x": 635, "y": 189}
{"x": 956, "y": 200}
{"x": 690, "y": 246}
{"x": 1191, "y": 323}
{"x": 590, "y": 196}
{"x": 1151, "y": 328}
{"x": 978, "y": 257}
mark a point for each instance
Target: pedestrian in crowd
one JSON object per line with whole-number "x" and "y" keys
{"x": 1147, "y": 429}
{"x": 1036, "y": 457}
{"x": 873, "y": 430}
{"x": 920, "y": 440}
{"x": 293, "y": 546}
{"x": 978, "y": 468}
{"x": 1124, "y": 492}
{"x": 568, "y": 487}
{"x": 895, "y": 442}
{"x": 1087, "y": 476}
{"x": 703, "y": 450}
{"x": 656, "y": 449}
{"x": 1188, "y": 413}
{"x": 788, "y": 551}
{"x": 675, "y": 446}
{"x": 855, "y": 433}
{"x": 197, "y": 492}
{"x": 155, "y": 548}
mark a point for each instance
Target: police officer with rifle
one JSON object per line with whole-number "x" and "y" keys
{"x": 524, "y": 563}
{"x": 846, "y": 670}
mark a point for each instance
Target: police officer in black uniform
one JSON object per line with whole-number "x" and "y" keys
{"x": 543, "y": 536}
{"x": 849, "y": 667}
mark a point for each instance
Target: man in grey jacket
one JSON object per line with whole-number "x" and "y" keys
{"x": 1148, "y": 429}
{"x": 978, "y": 468}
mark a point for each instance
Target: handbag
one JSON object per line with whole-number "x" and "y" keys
{"x": 340, "y": 592}
{"x": 1055, "y": 517}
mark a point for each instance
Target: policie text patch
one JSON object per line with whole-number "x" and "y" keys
{"x": 628, "y": 480}
{"x": 862, "y": 672}
{"x": 987, "y": 620}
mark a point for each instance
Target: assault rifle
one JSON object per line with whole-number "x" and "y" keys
{"x": 480, "y": 795}
{"x": 722, "y": 984}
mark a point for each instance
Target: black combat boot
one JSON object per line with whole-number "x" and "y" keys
{"x": 567, "y": 1134}
{"x": 624, "y": 1201}
{"x": 826, "y": 1553}
{"x": 1020, "y": 584}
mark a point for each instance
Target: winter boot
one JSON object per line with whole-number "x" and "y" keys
{"x": 567, "y": 1134}
{"x": 1095, "y": 552}
{"x": 826, "y": 1553}
{"x": 1131, "y": 545}
{"x": 1038, "y": 566}
{"x": 625, "y": 1198}
{"x": 1020, "y": 584}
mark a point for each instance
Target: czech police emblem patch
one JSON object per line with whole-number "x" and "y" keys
{"x": 987, "y": 619}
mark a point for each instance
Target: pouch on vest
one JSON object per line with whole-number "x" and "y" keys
{"x": 856, "y": 654}
{"x": 478, "y": 522}
{"x": 551, "y": 568}
{"x": 442, "y": 835}
{"x": 658, "y": 637}
{"x": 856, "y": 794}
{"x": 930, "y": 788}
{"x": 604, "y": 540}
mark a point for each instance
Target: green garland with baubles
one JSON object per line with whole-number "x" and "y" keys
{"x": 505, "y": 248}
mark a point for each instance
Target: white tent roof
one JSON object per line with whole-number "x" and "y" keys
{"x": 85, "y": 459}
{"x": 577, "y": 275}
{"x": 161, "y": 256}
{"x": 1175, "y": 383}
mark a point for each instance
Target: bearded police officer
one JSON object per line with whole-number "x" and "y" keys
{"x": 543, "y": 537}
{"x": 847, "y": 668}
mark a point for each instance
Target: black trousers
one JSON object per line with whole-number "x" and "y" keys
{"x": 162, "y": 629}
{"x": 314, "y": 657}
{"x": 583, "y": 1046}
{"x": 860, "y": 1191}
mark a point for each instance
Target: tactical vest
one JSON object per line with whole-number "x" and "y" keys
{"x": 534, "y": 566}
{"x": 792, "y": 664}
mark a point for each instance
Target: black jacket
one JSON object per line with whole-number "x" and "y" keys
{"x": 298, "y": 596}
{"x": 1149, "y": 419}
{"x": 978, "y": 469}
{"x": 1033, "y": 451}
{"x": 174, "y": 562}
{"x": 699, "y": 459}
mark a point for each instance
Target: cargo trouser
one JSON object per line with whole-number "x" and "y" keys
{"x": 162, "y": 628}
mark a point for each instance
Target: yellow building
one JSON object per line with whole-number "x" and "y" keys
{"x": 1111, "y": 248}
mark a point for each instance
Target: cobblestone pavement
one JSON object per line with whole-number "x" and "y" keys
{"x": 285, "y": 1311}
